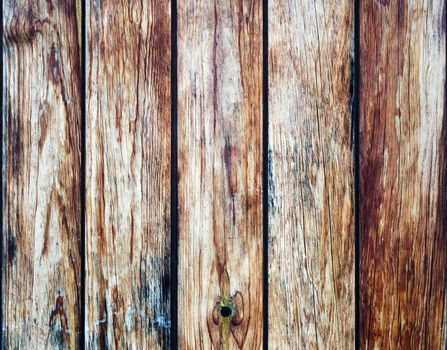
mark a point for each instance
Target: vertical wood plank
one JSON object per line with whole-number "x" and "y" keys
{"x": 41, "y": 179}
{"x": 402, "y": 141}
{"x": 128, "y": 174}
{"x": 220, "y": 206}
{"x": 311, "y": 192}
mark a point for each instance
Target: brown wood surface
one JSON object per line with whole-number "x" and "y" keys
{"x": 402, "y": 174}
{"x": 311, "y": 183}
{"x": 128, "y": 174}
{"x": 41, "y": 179}
{"x": 220, "y": 127}
{"x": 311, "y": 174}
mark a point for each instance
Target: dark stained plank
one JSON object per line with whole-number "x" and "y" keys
{"x": 402, "y": 189}
{"x": 311, "y": 182}
{"x": 128, "y": 174}
{"x": 220, "y": 146}
{"x": 41, "y": 179}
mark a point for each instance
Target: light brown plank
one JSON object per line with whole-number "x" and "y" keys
{"x": 41, "y": 182}
{"x": 219, "y": 127}
{"x": 311, "y": 191}
{"x": 402, "y": 139}
{"x": 128, "y": 174}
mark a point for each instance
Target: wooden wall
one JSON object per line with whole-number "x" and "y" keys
{"x": 223, "y": 174}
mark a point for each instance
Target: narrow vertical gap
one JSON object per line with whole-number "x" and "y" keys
{"x": 265, "y": 169}
{"x": 444, "y": 197}
{"x": 3, "y": 184}
{"x": 356, "y": 130}
{"x": 174, "y": 180}
{"x": 83, "y": 102}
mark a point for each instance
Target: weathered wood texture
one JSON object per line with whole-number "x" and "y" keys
{"x": 220, "y": 146}
{"x": 311, "y": 187}
{"x": 128, "y": 174}
{"x": 402, "y": 165}
{"x": 41, "y": 163}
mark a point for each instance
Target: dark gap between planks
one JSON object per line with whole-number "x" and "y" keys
{"x": 265, "y": 168}
{"x": 1, "y": 195}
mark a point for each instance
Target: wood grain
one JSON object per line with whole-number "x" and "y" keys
{"x": 219, "y": 127}
{"x": 128, "y": 174}
{"x": 311, "y": 192}
{"x": 402, "y": 190}
{"x": 41, "y": 175}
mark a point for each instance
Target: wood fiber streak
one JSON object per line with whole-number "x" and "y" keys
{"x": 41, "y": 175}
{"x": 311, "y": 188}
{"x": 220, "y": 205}
{"x": 402, "y": 190}
{"x": 128, "y": 174}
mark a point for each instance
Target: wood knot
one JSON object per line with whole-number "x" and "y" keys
{"x": 226, "y": 323}
{"x": 229, "y": 308}
{"x": 227, "y": 318}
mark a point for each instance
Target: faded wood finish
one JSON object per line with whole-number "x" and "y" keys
{"x": 128, "y": 174}
{"x": 41, "y": 175}
{"x": 311, "y": 192}
{"x": 402, "y": 190}
{"x": 220, "y": 127}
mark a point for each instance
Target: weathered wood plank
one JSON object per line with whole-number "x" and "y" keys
{"x": 402, "y": 144}
{"x": 220, "y": 206}
{"x": 128, "y": 174}
{"x": 41, "y": 179}
{"x": 311, "y": 191}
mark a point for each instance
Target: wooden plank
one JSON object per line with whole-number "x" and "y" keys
{"x": 220, "y": 146}
{"x": 41, "y": 175}
{"x": 402, "y": 190}
{"x": 128, "y": 174}
{"x": 311, "y": 191}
